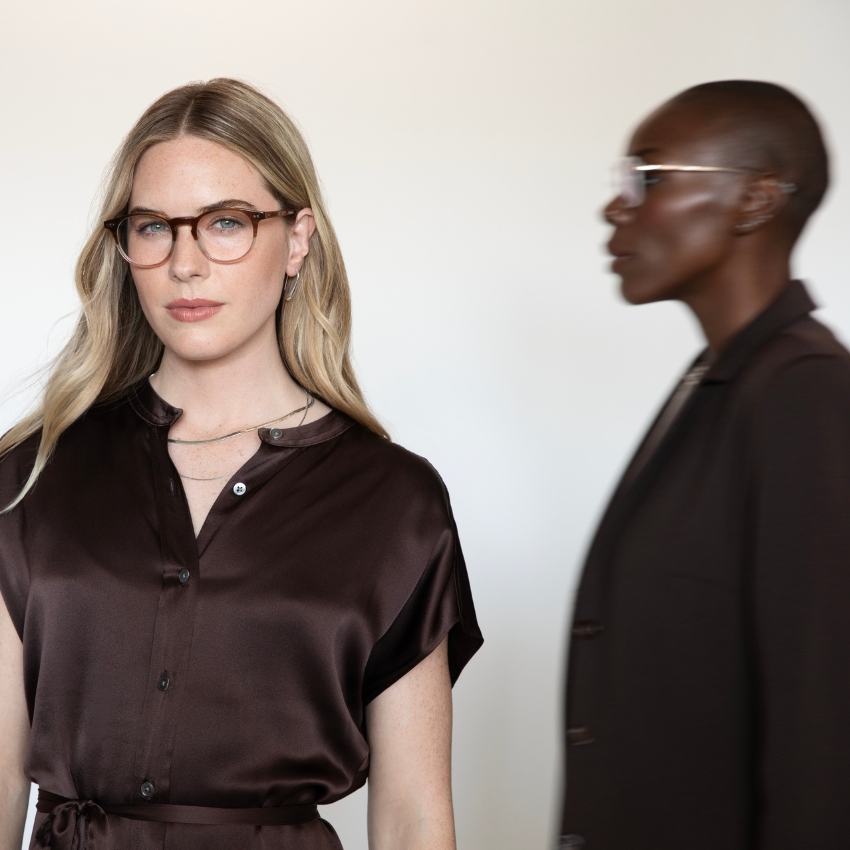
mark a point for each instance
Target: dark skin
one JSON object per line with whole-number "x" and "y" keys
{"x": 718, "y": 242}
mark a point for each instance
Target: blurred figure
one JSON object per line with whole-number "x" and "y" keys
{"x": 708, "y": 701}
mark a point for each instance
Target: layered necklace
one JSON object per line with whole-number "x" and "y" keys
{"x": 305, "y": 409}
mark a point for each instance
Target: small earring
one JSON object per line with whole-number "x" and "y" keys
{"x": 294, "y": 286}
{"x": 747, "y": 225}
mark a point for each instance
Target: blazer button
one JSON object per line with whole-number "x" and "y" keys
{"x": 163, "y": 682}
{"x": 586, "y": 629}
{"x": 183, "y": 576}
{"x": 147, "y": 790}
{"x": 577, "y": 735}
{"x": 276, "y": 433}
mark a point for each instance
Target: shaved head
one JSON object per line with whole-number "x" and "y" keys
{"x": 764, "y": 127}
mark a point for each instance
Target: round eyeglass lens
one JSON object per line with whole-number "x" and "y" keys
{"x": 226, "y": 235}
{"x": 628, "y": 181}
{"x": 145, "y": 240}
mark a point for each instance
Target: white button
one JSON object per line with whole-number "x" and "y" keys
{"x": 240, "y": 489}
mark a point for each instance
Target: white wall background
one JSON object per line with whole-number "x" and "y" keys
{"x": 464, "y": 146}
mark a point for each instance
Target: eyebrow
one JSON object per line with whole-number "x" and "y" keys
{"x": 228, "y": 203}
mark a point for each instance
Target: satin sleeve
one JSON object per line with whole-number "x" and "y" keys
{"x": 14, "y": 568}
{"x": 440, "y": 604}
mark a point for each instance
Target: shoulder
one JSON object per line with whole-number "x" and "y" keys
{"x": 79, "y": 447}
{"x": 798, "y": 387}
{"x": 802, "y": 340}
{"x": 803, "y": 360}
{"x": 386, "y": 484}
{"x": 16, "y": 466}
{"x": 400, "y": 472}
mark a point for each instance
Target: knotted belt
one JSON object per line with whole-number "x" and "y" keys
{"x": 69, "y": 821}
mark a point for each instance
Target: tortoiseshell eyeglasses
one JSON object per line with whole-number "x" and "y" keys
{"x": 147, "y": 240}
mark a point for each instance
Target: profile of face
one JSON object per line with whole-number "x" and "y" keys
{"x": 200, "y": 309}
{"x": 687, "y": 225}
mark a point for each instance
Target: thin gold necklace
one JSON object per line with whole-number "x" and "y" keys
{"x": 305, "y": 408}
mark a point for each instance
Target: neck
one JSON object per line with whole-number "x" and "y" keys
{"x": 243, "y": 388}
{"x": 731, "y": 297}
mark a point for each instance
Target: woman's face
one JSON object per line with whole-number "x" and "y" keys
{"x": 684, "y": 231}
{"x": 202, "y": 310}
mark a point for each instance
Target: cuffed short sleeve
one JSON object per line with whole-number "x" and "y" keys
{"x": 440, "y": 605}
{"x": 14, "y": 571}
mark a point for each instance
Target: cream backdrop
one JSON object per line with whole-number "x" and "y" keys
{"x": 465, "y": 147}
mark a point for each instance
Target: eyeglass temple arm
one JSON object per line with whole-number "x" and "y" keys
{"x": 691, "y": 168}
{"x": 787, "y": 188}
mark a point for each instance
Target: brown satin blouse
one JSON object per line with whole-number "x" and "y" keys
{"x": 231, "y": 670}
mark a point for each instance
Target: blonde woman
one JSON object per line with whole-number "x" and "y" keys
{"x": 228, "y": 597}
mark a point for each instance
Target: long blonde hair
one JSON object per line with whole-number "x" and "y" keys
{"x": 113, "y": 348}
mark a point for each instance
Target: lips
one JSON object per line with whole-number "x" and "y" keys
{"x": 620, "y": 253}
{"x": 193, "y": 310}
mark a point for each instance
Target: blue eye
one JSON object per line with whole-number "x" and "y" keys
{"x": 154, "y": 227}
{"x": 227, "y": 224}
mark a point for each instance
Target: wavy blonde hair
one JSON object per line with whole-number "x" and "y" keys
{"x": 113, "y": 348}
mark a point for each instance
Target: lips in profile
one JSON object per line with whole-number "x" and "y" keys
{"x": 620, "y": 253}
{"x": 193, "y": 310}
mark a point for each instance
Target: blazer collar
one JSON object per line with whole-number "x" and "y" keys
{"x": 792, "y": 304}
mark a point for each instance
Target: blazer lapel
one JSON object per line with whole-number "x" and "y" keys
{"x": 793, "y": 304}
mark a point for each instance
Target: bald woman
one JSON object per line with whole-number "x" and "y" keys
{"x": 708, "y": 701}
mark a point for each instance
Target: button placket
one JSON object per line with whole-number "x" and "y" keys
{"x": 173, "y": 628}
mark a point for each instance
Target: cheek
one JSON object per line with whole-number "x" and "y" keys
{"x": 676, "y": 243}
{"x": 261, "y": 283}
{"x": 149, "y": 288}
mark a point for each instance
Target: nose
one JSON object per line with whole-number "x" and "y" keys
{"x": 616, "y": 211}
{"x": 187, "y": 260}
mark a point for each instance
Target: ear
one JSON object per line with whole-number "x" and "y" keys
{"x": 763, "y": 199}
{"x": 299, "y": 240}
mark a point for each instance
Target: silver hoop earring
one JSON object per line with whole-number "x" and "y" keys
{"x": 294, "y": 286}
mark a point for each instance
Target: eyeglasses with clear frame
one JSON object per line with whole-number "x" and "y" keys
{"x": 632, "y": 174}
{"x": 147, "y": 240}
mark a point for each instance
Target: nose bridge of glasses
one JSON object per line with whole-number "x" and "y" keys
{"x": 175, "y": 252}
{"x": 184, "y": 221}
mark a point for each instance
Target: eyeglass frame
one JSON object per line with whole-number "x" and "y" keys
{"x": 256, "y": 217}
{"x": 635, "y": 163}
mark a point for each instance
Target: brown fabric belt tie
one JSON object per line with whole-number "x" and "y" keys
{"x": 69, "y": 821}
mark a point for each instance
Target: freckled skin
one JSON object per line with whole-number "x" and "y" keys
{"x": 234, "y": 354}
{"x": 178, "y": 178}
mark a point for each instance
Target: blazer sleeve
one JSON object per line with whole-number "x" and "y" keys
{"x": 800, "y": 602}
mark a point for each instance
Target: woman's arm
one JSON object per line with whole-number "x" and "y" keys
{"x": 800, "y": 605}
{"x": 14, "y": 736}
{"x": 410, "y": 738}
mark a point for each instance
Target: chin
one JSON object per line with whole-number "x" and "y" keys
{"x": 198, "y": 346}
{"x": 640, "y": 292}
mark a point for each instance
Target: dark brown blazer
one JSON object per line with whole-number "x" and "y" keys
{"x": 708, "y": 699}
